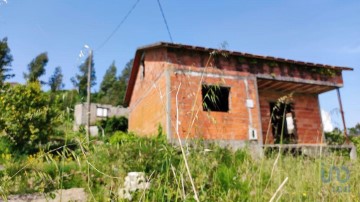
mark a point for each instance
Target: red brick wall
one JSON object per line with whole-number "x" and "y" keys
{"x": 307, "y": 116}
{"x": 194, "y": 122}
{"x": 219, "y": 70}
{"x": 148, "y": 107}
{"x": 148, "y": 102}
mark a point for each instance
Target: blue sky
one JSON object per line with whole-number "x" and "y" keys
{"x": 316, "y": 31}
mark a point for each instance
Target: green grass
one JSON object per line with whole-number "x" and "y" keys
{"x": 219, "y": 174}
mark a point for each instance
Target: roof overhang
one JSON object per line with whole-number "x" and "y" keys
{"x": 289, "y": 86}
{"x": 236, "y": 53}
{"x": 279, "y": 84}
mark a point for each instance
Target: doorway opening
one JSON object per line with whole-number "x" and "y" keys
{"x": 283, "y": 123}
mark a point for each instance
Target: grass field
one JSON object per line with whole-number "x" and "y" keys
{"x": 219, "y": 174}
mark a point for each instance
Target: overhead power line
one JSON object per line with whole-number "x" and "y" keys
{"x": 165, "y": 21}
{"x": 119, "y": 25}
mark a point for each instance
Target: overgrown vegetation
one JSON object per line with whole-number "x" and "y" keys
{"x": 219, "y": 174}
{"x": 113, "y": 124}
{"x": 335, "y": 137}
{"x": 39, "y": 152}
{"x": 28, "y": 119}
{"x": 5, "y": 62}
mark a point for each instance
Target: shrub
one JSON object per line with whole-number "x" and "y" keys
{"x": 120, "y": 137}
{"x": 356, "y": 141}
{"x": 28, "y": 118}
{"x": 335, "y": 137}
{"x": 112, "y": 124}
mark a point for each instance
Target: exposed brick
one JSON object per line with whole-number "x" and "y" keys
{"x": 148, "y": 108}
{"x": 306, "y": 109}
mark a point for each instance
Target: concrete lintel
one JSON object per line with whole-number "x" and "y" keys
{"x": 298, "y": 80}
{"x": 212, "y": 75}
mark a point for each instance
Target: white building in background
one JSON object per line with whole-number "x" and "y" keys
{"x": 97, "y": 112}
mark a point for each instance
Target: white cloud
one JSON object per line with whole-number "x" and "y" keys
{"x": 326, "y": 120}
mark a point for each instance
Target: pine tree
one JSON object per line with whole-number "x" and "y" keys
{"x": 108, "y": 80}
{"x": 80, "y": 80}
{"x": 36, "y": 68}
{"x": 56, "y": 80}
{"x": 5, "y": 61}
{"x": 125, "y": 74}
{"x": 123, "y": 81}
{"x": 112, "y": 88}
{"x": 107, "y": 93}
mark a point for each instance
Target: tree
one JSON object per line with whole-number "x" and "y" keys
{"x": 36, "y": 68}
{"x": 108, "y": 93}
{"x": 125, "y": 74}
{"x": 28, "y": 117}
{"x": 108, "y": 81}
{"x": 56, "y": 80}
{"x": 80, "y": 80}
{"x": 355, "y": 130}
{"x": 112, "y": 88}
{"x": 5, "y": 61}
{"x": 123, "y": 80}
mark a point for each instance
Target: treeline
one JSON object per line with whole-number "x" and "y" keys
{"x": 112, "y": 87}
{"x": 33, "y": 119}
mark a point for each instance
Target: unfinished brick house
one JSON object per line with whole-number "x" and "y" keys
{"x": 230, "y": 97}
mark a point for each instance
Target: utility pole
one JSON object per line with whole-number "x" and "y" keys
{"x": 88, "y": 97}
{"x": 342, "y": 115}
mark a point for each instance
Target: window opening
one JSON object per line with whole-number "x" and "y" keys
{"x": 215, "y": 98}
{"x": 101, "y": 112}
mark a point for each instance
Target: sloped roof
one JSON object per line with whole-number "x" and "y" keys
{"x": 140, "y": 50}
{"x": 236, "y": 53}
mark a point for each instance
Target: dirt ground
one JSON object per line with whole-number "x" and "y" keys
{"x": 74, "y": 194}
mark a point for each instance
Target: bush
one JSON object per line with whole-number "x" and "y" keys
{"x": 335, "y": 137}
{"x": 112, "y": 124}
{"x": 28, "y": 118}
{"x": 356, "y": 141}
{"x": 120, "y": 137}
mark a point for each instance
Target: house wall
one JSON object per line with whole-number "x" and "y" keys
{"x": 148, "y": 102}
{"x": 190, "y": 70}
{"x": 211, "y": 125}
{"x": 307, "y": 116}
{"x": 168, "y": 71}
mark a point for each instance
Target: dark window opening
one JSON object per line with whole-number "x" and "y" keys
{"x": 283, "y": 123}
{"x": 215, "y": 98}
{"x": 142, "y": 66}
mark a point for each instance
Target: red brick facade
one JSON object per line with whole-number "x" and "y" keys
{"x": 148, "y": 109}
{"x": 307, "y": 116}
{"x": 162, "y": 71}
